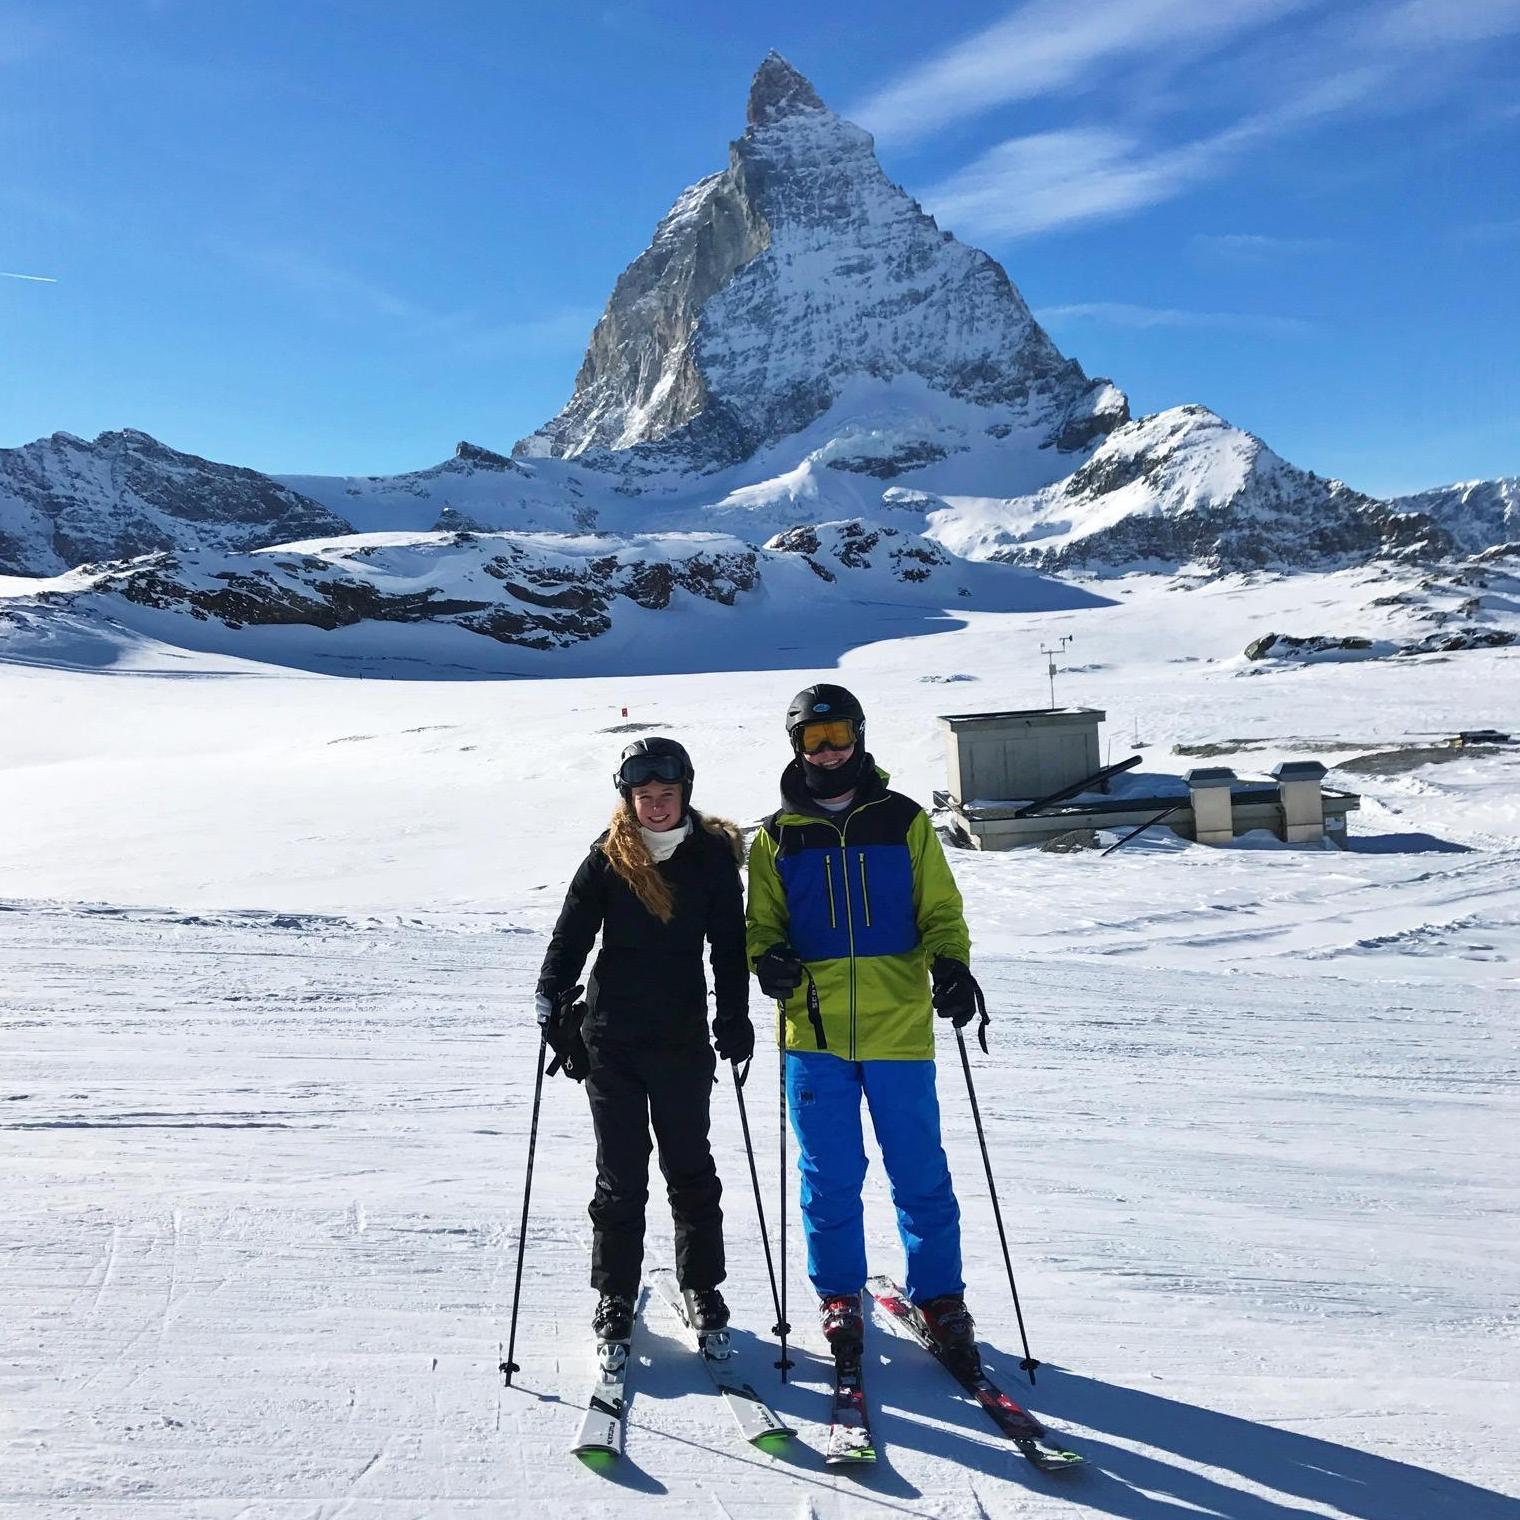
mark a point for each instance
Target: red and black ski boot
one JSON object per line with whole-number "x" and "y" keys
{"x": 844, "y": 1327}
{"x": 954, "y": 1331}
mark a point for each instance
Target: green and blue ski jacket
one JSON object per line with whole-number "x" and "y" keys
{"x": 866, "y": 899}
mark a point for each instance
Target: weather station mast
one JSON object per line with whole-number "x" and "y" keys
{"x": 1050, "y": 663}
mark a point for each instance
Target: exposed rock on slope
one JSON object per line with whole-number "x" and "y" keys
{"x": 769, "y": 285}
{"x": 66, "y": 502}
{"x": 540, "y": 593}
{"x": 535, "y": 591}
{"x": 1475, "y": 605}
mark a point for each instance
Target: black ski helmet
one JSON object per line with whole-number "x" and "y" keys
{"x": 821, "y": 703}
{"x": 659, "y": 759}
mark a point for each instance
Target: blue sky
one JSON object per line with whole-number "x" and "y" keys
{"x": 339, "y": 236}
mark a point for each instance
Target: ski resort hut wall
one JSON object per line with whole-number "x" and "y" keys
{"x": 1002, "y": 756}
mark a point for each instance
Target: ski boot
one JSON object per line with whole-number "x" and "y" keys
{"x": 613, "y": 1323}
{"x": 844, "y": 1327}
{"x": 707, "y": 1315}
{"x": 953, "y": 1330}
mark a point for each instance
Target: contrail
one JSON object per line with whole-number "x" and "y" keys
{"x": 41, "y": 279}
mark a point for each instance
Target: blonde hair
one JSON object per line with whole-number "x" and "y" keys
{"x": 629, "y": 856}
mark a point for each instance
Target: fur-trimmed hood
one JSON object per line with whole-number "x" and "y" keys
{"x": 724, "y": 829}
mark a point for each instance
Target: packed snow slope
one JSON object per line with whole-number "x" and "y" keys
{"x": 269, "y": 942}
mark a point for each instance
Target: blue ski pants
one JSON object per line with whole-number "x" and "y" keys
{"x": 823, "y": 1097}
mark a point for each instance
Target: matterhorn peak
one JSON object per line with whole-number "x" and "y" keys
{"x": 795, "y": 277}
{"x": 778, "y": 90}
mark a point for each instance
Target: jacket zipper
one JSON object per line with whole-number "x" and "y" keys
{"x": 865, "y": 891}
{"x": 849, "y": 917}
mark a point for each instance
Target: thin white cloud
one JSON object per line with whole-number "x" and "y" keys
{"x": 40, "y": 279}
{"x": 1357, "y": 59}
{"x": 1048, "y": 180}
{"x": 1061, "y": 179}
{"x": 1123, "y": 314}
{"x": 1046, "y": 46}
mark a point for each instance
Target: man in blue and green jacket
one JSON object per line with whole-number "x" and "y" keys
{"x": 854, "y": 923}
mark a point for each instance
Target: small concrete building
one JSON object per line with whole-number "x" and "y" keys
{"x": 1026, "y": 776}
{"x": 1027, "y": 753}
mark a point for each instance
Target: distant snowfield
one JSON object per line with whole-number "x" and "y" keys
{"x": 269, "y": 940}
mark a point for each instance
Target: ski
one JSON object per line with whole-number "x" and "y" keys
{"x": 1032, "y": 1440}
{"x": 757, "y": 1421}
{"x": 601, "y": 1431}
{"x": 850, "y": 1424}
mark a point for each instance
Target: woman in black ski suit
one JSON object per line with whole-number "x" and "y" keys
{"x": 658, "y": 884}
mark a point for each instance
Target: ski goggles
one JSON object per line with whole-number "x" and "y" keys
{"x": 640, "y": 770}
{"x": 833, "y": 733}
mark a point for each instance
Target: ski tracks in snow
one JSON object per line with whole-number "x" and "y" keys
{"x": 261, "y": 1233}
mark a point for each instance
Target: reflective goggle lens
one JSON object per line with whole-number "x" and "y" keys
{"x": 638, "y": 770}
{"x": 837, "y": 733}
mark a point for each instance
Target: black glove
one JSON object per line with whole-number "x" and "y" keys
{"x": 734, "y": 1037}
{"x": 779, "y": 971}
{"x": 560, "y": 1018}
{"x": 955, "y": 994}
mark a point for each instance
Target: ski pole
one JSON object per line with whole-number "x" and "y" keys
{"x": 782, "y": 1327}
{"x": 509, "y": 1366}
{"x": 754, "y": 1177}
{"x": 1029, "y": 1363}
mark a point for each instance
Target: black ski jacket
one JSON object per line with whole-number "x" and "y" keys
{"x": 648, "y": 984}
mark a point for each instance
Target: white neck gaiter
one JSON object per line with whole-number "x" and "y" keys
{"x": 663, "y": 845}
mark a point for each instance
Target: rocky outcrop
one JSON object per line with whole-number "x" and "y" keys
{"x": 858, "y": 545}
{"x": 526, "y": 593}
{"x": 1280, "y": 646}
{"x": 65, "y": 502}
{"x": 769, "y": 287}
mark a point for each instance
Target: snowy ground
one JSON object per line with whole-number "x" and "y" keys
{"x": 266, "y": 1067}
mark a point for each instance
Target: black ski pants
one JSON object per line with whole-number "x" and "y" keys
{"x": 632, "y": 1090}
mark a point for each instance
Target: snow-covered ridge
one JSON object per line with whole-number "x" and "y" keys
{"x": 1478, "y": 514}
{"x": 1184, "y": 487}
{"x": 66, "y": 502}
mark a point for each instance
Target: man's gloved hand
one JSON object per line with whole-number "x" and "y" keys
{"x": 955, "y": 990}
{"x": 560, "y": 1016}
{"x": 779, "y": 971}
{"x": 734, "y": 1037}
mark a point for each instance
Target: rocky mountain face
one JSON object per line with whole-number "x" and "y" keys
{"x": 770, "y": 286}
{"x": 1478, "y": 514}
{"x": 66, "y": 502}
{"x": 1183, "y": 487}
